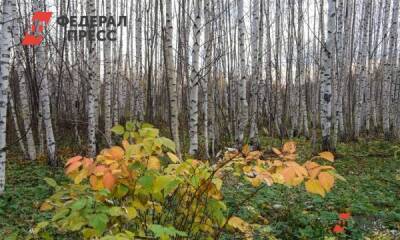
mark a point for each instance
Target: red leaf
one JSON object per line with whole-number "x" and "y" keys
{"x": 338, "y": 229}
{"x": 344, "y": 216}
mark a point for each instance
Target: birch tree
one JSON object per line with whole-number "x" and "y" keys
{"x": 326, "y": 77}
{"x": 389, "y": 72}
{"x": 7, "y": 17}
{"x": 243, "y": 106}
{"x": 93, "y": 85}
{"x": 254, "y": 71}
{"x": 171, "y": 79}
{"x": 107, "y": 82}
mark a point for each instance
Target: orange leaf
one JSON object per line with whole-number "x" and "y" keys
{"x": 109, "y": 181}
{"x": 72, "y": 167}
{"x": 292, "y": 164}
{"x": 266, "y": 177}
{"x": 288, "y": 174}
{"x": 116, "y": 152}
{"x": 289, "y": 147}
{"x": 311, "y": 165}
{"x": 87, "y": 162}
{"x": 290, "y": 157}
{"x": 73, "y": 159}
{"x": 326, "y": 180}
{"x": 100, "y": 170}
{"x": 45, "y": 207}
{"x": 301, "y": 171}
{"x": 327, "y": 156}
{"x": 314, "y": 172}
{"x": 276, "y": 151}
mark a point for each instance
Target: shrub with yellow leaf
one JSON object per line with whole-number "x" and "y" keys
{"x": 141, "y": 189}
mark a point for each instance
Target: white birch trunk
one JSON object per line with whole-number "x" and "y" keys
{"x": 93, "y": 87}
{"x": 173, "y": 96}
{"x": 326, "y": 78}
{"x": 9, "y": 12}
{"x": 243, "y": 106}
{"x": 26, "y": 114}
{"x": 254, "y": 71}
{"x": 389, "y": 72}
{"x": 107, "y": 82}
{"x": 194, "y": 83}
{"x": 17, "y": 130}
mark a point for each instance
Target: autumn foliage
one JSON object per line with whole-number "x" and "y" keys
{"x": 142, "y": 189}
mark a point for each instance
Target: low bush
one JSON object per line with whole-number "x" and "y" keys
{"x": 143, "y": 190}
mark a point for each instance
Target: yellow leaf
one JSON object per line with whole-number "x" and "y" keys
{"x": 46, "y": 207}
{"x": 131, "y": 213}
{"x": 326, "y": 180}
{"x": 239, "y": 224}
{"x": 327, "y": 156}
{"x": 289, "y": 147}
{"x": 95, "y": 183}
{"x": 82, "y": 175}
{"x": 255, "y": 182}
{"x": 173, "y": 157}
{"x": 153, "y": 163}
{"x": 125, "y": 144}
{"x": 246, "y": 149}
{"x": 247, "y": 169}
{"x": 313, "y": 186}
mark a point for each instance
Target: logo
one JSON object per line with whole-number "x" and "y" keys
{"x": 40, "y": 20}
{"x": 92, "y": 28}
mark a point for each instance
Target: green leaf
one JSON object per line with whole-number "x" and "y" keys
{"x": 40, "y": 226}
{"x": 146, "y": 125}
{"x": 148, "y": 132}
{"x": 168, "y": 143}
{"x": 115, "y": 211}
{"x": 121, "y": 191}
{"x": 337, "y": 175}
{"x": 166, "y": 232}
{"x": 118, "y": 129}
{"x": 51, "y": 182}
{"x": 146, "y": 181}
{"x": 62, "y": 212}
{"x": 79, "y": 204}
{"x": 130, "y": 126}
{"x": 98, "y": 222}
{"x": 161, "y": 182}
{"x": 12, "y": 236}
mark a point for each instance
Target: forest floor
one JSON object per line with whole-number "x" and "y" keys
{"x": 371, "y": 194}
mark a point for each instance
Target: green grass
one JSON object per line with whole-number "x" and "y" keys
{"x": 371, "y": 193}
